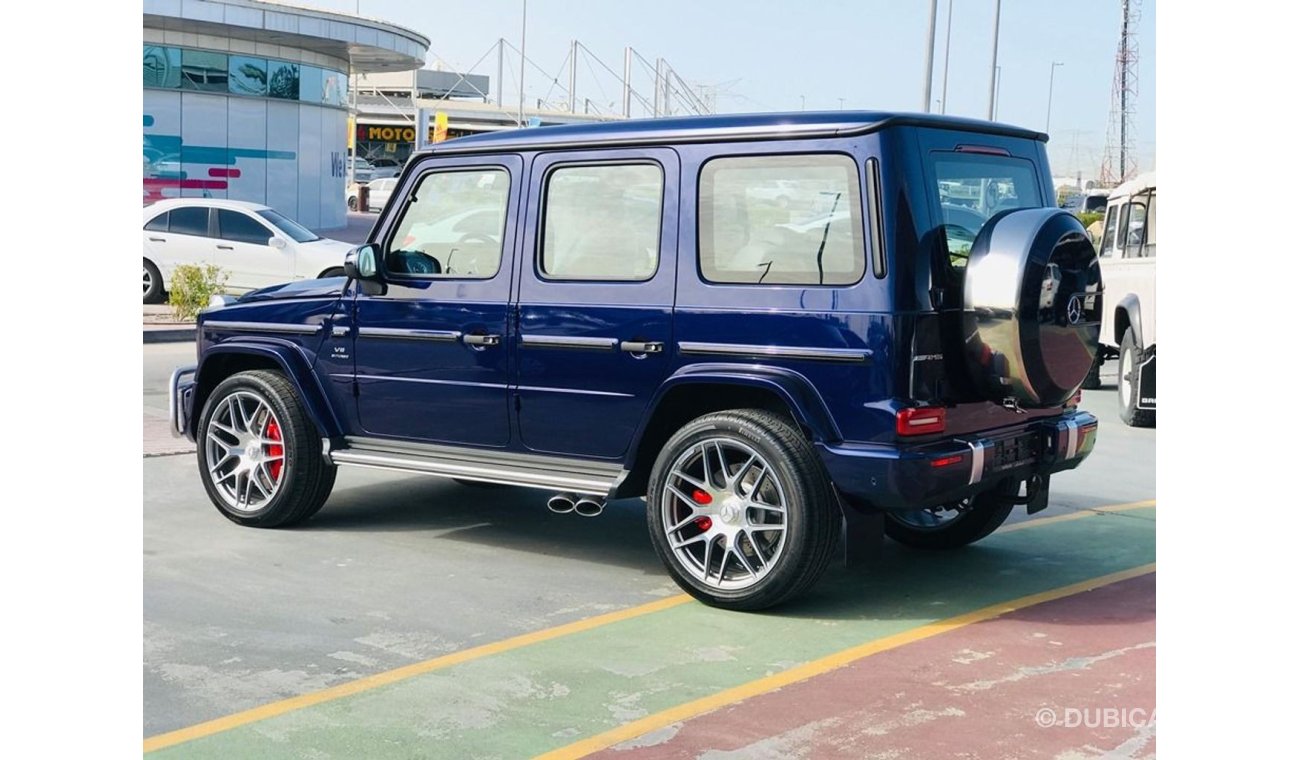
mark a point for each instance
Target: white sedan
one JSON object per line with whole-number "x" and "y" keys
{"x": 255, "y": 244}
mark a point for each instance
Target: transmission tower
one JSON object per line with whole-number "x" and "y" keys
{"x": 1118, "y": 163}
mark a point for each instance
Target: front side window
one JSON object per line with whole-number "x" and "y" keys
{"x": 601, "y": 222}
{"x": 781, "y": 220}
{"x": 974, "y": 187}
{"x": 241, "y": 228}
{"x": 188, "y": 220}
{"x": 1108, "y": 237}
{"x": 453, "y": 226}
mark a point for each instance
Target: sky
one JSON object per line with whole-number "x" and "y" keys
{"x": 782, "y": 55}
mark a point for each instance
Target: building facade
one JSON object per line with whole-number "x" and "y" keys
{"x": 248, "y": 100}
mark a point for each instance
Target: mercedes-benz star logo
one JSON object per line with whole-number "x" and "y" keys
{"x": 1074, "y": 310}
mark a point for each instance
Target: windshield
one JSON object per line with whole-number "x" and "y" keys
{"x": 299, "y": 233}
{"x": 972, "y": 188}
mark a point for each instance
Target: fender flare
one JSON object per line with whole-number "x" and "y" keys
{"x": 794, "y": 389}
{"x": 1130, "y": 305}
{"x": 292, "y": 361}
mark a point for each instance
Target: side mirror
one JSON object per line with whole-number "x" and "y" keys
{"x": 277, "y": 242}
{"x": 360, "y": 264}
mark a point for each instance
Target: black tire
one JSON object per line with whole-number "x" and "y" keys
{"x": 981, "y": 515}
{"x": 332, "y": 272}
{"x": 352, "y": 203}
{"x": 154, "y": 292}
{"x": 1130, "y": 355}
{"x": 1092, "y": 381}
{"x": 811, "y": 517}
{"x": 306, "y": 479}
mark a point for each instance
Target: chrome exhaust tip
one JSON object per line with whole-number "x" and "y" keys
{"x": 589, "y": 507}
{"x": 561, "y": 503}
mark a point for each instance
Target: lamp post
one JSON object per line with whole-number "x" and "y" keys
{"x": 929, "y": 56}
{"x": 993, "y": 71}
{"x": 1050, "y": 82}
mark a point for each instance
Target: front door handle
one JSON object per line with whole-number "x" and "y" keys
{"x": 482, "y": 340}
{"x": 226, "y": 247}
{"x": 157, "y": 240}
{"x": 642, "y": 346}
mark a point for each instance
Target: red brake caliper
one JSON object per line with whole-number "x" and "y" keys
{"x": 700, "y": 497}
{"x": 274, "y": 449}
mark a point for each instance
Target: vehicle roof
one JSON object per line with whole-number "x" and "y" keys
{"x": 1134, "y": 186}
{"x": 718, "y": 128}
{"x": 170, "y": 203}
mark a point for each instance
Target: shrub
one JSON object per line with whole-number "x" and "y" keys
{"x": 1088, "y": 217}
{"x": 192, "y": 287}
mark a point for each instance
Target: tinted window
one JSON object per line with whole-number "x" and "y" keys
{"x": 247, "y": 75}
{"x": 311, "y": 88}
{"x": 283, "y": 80}
{"x": 602, "y": 222}
{"x": 201, "y": 70}
{"x": 781, "y": 220}
{"x": 189, "y": 220}
{"x": 162, "y": 67}
{"x": 974, "y": 187}
{"x": 434, "y": 239}
{"x": 241, "y": 228}
{"x": 158, "y": 223}
{"x": 288, "y": 226}
{"x": 1094, "y": 203}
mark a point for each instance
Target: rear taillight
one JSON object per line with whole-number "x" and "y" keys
{"x": 921, "y": 420}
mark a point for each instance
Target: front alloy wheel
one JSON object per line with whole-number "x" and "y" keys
{"x": 260, "y": 455}
{"x": 245, "y": 449}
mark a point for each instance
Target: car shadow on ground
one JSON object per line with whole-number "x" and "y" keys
{"x": 503, "y": 517}
{"x": 901, "y": 583}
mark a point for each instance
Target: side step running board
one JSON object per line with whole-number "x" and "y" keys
{"x": 553, "y": 473}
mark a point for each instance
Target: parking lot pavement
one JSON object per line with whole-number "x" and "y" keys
{"x": 414, "y": 613}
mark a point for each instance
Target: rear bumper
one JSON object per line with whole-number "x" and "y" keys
{"x": 895, "y": 477}
{"x": 180, "y": 400}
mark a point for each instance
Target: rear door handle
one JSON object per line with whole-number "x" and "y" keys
{"x": 226, "y": 247}
{"x": 482, "y": 340}
{"x": 157, "y": 240}
{"x": 641, "y": 346}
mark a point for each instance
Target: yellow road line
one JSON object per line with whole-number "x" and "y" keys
{"x": 824, "y": 665}
{"x": 273, "y": 709}
{"x": 385, "y": 678}
{"x": 1085, "y": 512}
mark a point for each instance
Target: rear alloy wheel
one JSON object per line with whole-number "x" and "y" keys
{"x": 741, "y": 510}
{"x": 950, "y": 526}
{"x": 1128, "y": 384}
{"x": 153, "y": 283}
{"x": 259, "y": 455}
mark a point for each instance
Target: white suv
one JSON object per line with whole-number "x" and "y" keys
{"x": 1128, "y": 267}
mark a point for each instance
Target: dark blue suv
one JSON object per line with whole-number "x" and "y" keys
{"x": 787, "y": 331}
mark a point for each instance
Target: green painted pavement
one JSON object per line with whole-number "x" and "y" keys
{"x": 551, "y": 694}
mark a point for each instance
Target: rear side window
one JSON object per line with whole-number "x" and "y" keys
{"x": 452, "y": 226}
{"x": 1137, "y": 224}
{"x": 1108, "y": 236}
{"x": 188, "y": 220}
{"x": 241, "y": 228}
{"x": 601, "y": 222}
{"x": 974, "y": 187}
{"x": 781, "y": 220}
{"x": 158, "y": 223}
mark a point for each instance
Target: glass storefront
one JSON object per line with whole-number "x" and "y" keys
{"x": 173, "y": 68}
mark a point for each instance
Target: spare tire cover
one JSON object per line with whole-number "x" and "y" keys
{"x": 1032, "y": 307}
